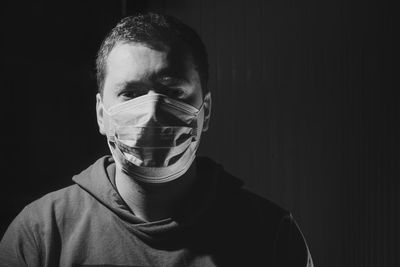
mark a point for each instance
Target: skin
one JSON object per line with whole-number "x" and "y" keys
{"x": 133, "y": 70}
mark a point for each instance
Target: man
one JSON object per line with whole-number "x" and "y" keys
{"x": 153, "y": 203}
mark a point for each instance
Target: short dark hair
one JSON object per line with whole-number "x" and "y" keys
{"x": 156, "y": 31}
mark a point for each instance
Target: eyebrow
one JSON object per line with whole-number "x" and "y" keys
{"x": 131, "y": 85}
{"x": 157, "y": 77}
{"x": 172, "y": 79}
{"x": 170, "y": 73}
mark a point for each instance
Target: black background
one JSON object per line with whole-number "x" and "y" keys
{"x": 304, "y": 108}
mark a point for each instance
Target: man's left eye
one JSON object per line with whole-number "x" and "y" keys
{"x": 176, "y": 93}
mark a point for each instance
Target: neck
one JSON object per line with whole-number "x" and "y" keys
{"x": 153, "y": 202}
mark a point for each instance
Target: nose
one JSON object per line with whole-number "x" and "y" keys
{"x": 152, "y": 92}
{"x": 158, "y": 114}
{"x": 153, "y": 109}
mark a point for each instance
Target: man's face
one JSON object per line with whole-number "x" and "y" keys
{"x": 134, "y": 69}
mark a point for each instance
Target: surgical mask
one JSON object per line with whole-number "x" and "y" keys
{"x": 154, "y": 138}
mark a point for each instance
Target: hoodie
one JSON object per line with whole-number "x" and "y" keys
{"x": 89, "y": 224}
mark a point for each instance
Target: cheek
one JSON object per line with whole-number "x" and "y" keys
{"x": 110, "y": 99}
{"x": 195, "y": 97}
{"x": 110, "y": 96}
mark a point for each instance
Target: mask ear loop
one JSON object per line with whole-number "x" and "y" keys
{"x": 111, "y": 128}
{"x": 204, "y": 101}
{"x": 202, "y": 104}
{"x": 201, "y": 108}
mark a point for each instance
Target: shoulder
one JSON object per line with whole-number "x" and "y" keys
{"x": 289, "y": 247}
{"x": 259, "y": 215}
{"x": 249, "y": 204}
{"x": 50, "y": 213}
{"x": 230, "y": 190}
{"x": 265, "y": 221}
{"x": 36, "y": 229}
{"x": 262, "y": 205}
{"x": 57, "y": 203}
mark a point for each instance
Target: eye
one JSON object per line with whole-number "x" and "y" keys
{"x": 130, "y": 94}
{"x": 173, "y": 87}
{"x": 176, "y": 93}
{"x": 171, "y": 82}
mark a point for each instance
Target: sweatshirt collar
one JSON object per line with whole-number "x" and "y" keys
{"x": 99, "y": 181}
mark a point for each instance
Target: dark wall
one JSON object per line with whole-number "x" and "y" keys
{"x": 304, "y": 109}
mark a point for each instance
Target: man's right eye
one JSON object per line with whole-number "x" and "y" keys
{"x": 131, "y": 94}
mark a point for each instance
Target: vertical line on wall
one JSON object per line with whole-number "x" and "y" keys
{"x": 123, "y": 8}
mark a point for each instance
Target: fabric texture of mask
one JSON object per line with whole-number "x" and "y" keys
{"x": 154, "y": 138}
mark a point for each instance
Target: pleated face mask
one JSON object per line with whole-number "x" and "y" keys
{"x": 154, "y": 138}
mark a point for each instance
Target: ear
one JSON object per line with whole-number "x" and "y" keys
{"x": 100, "y": 114}
{"x": 207, "y": 111}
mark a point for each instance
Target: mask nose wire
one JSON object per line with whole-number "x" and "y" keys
{"x": 153, "y": 109}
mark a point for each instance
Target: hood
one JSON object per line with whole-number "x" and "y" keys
{"x": 212, "y": 181}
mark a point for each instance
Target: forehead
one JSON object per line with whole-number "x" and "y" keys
{"x": 136, "y": 61}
